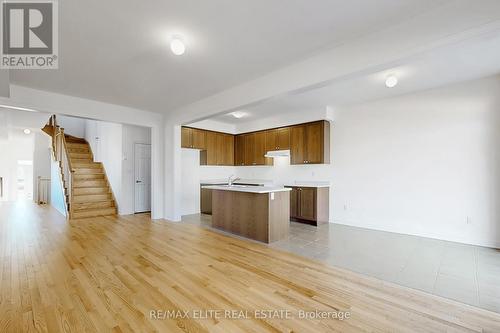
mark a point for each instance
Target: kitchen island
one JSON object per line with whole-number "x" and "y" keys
{"x": 257, "y": 212}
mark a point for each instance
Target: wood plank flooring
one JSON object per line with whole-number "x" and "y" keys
{"x": 106, "y": 274}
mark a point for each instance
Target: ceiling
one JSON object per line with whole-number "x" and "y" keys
{"x": 117, "y": 51}
{"x": 462, "y": 61}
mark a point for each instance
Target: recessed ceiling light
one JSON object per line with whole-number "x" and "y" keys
{"x": 238, "y": 114}
{"x": 177, "y": 46}
{"x": 391, "y": 81}
{"x": 27, "y": 131}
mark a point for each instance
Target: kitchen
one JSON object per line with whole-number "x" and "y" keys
{"x": 258, "y": 161}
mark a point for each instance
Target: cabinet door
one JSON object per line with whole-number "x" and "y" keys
{"x": 198, "y": 138}
{"x": 239, "y": 152}
{"x": 211, "y": 148}
{"x": 221, "y": 153}
{"x": 307, "y": 203}
{"x": 283, "y": 138}
{"x": 186, "y": 137}
{"x": 297, "y": 145}
{"x": 271, "y": 140}
{"x": 314, "y": 143}
{"x": 250, "y": 149}
{"x": 294, "y": 202}
{"x": 260, "y": 148}
{"x": 228, "y": 149}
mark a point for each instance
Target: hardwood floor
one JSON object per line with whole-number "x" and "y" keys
{"x": 108, "y": 273}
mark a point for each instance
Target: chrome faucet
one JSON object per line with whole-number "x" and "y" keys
{"x": 230, "y": 181}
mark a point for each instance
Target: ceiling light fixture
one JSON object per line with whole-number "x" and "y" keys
{"x": 238, "y": 114}
{"x": 177, "y": 46}
{"x": 27, "y": 131}
{"x": 391, "y": 81}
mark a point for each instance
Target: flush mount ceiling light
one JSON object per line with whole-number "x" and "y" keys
{"x": 177, "y": 46}
{"x": 27, "y": 131}
{"x": 391, "y": 81}
{"x": 238, "y": 114}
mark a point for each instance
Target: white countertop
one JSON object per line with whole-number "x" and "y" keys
{"x": 239, "y": 181}
{"x": 309, "y": 184}
{"x": 248, "y": 189}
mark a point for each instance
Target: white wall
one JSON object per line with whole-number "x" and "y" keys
{"x": 41, "y": 160}
{"x": 425, "y": 164}
{"x": 72, "y": 125}
{"x": 18, "y": 147}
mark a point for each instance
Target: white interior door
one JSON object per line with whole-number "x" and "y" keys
{"x": 142, "y": 178}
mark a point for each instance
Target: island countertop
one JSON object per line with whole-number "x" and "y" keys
{"x": 248, "y": 189}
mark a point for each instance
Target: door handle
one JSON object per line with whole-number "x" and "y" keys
{"x": 138, "y": 181}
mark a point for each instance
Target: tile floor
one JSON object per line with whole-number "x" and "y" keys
{"x": 466, "y": 273}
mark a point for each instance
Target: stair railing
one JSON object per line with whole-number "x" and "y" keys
{"x": 61, "y": 155}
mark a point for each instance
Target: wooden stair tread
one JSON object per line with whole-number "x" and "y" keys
{"x": 90, "y": 165}
{"x": 92, "y": 205}
{"x": 90, "y": 183}
{"x": 94, "y": 212}
{"x": 90, "y": 176}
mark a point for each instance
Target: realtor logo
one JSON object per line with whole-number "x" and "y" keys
{"x": 29, "y": 35}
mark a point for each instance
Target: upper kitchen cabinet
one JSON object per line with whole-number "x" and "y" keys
{"x": 310, "y": 143}
{"x": 209, "y": 155}
{"x": 186, "y": 139}
{"x": 193, "y": 138}
{"x": 225, "y": 149}
{"x": 260, "y": 150}
{"x": 251, "y": 148}
{"x": 278, "y": 139}
{"x": 239, "y": 150}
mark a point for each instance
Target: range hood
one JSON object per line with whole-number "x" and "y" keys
{"x": 277, "y": 153}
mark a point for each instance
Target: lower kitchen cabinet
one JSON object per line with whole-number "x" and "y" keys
{"x": 206, "y": 201}
{"x": 309, "y": 204}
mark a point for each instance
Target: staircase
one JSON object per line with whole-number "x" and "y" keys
{"x": 87, "y": 189}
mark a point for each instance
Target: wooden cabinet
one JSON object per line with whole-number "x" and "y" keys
{"x": 250, "y": 149}
{"x": 239, "y": 150}
{"x": 186, "y": 141}
{"x": 193, "y": 138}
{"x": 310, "y": 143}
{"x": 210, "y": 154}
{"x": 225, "y": 149}
{"x": 278, "y": 139}
{"x": 199, "y": 138}
{"x": 260, "y": 149}
{"x": 309, "y": 204}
